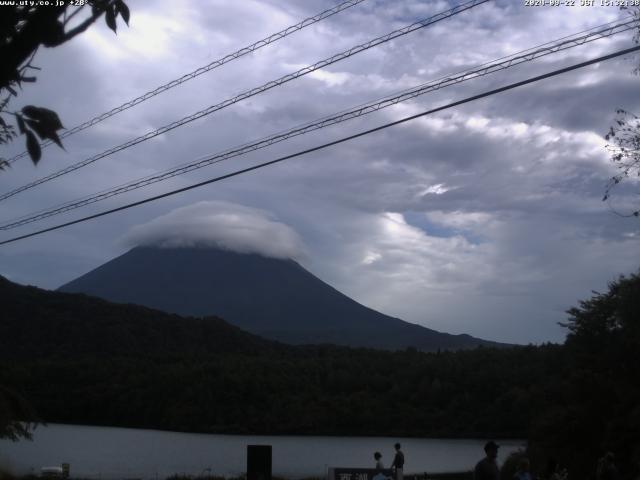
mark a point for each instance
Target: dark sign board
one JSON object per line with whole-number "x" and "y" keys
{"x": 258, "y": 462}
{"x": 361, "y": 474}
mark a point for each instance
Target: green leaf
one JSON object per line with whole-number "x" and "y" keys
{"x": 123, "y": 10}
{"x": 33, "y": 147}
{"x": 36, "y": 127}
{"x": 44, "y": 116}
{"x": 44, "y": 131}
{"x": 110, "y": 18}
{"x": 20, "y": 122}
{"x": 53, "y": 136}
{"x": 52, "y": 34}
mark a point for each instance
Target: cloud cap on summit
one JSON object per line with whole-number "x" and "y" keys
{"x": 223, "y": 225}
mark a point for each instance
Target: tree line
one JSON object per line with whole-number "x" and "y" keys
{"x": 86, "y": 361}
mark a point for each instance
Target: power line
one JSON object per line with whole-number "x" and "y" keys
{"x": 207, "y": 68}
{"x": 254, "y": 91}
{"x": 565, "y": 43}
{"x": 528, "y": 55}
{"x": 329, "y": 144}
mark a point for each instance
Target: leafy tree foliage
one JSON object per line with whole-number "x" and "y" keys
{"x": 608, "y": 318}
{"x": 624, "y": 147}
{"x": 88, "y": 361}
{"x": 597, "y": 406}
{"x": 13, "y": 406}
{"x": 150, "y": 369}
{"x": 624, "y": 137}
{"x": 23, "y": 29}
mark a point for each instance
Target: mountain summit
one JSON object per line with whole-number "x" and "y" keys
{"x": 274, "y": 298}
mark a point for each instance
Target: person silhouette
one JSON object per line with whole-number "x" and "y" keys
{"x": 398, "y": 462}
{"x": 487, "y": 468}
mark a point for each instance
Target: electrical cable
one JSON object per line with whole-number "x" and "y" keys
{"x": 565, "y": 43}
{"x": 329, "y": 144}
{"x": 250, "y": 93}
{"x": 199, "y": 71}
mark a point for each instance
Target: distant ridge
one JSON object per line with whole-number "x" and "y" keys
{"x": 276, "y": 299}
{"x": 38, "y": 324}
{"x": 83, "y": 360}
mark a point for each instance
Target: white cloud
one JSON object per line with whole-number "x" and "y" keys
{"x": 485, "y": 219}
{"x": 436, "y": 189}
{"x": 223, "y": 225}
{"x": 331, "y": 79}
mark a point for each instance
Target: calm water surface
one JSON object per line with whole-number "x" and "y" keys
{"x": 102, "y": 452}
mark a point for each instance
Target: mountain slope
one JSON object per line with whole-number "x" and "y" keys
{"x": 38, "y": 323}
{"x": 276, "y": 299}
{"x": 79, "y": 359}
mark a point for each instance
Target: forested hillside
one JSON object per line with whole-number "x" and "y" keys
{"x": 571, "y": 401}
{"x": 42, "y": 324}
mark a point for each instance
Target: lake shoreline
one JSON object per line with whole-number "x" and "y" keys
{"x": 110, "y": 453}
{"x": 468, "y": 475}
{"x": 237, "y": 433}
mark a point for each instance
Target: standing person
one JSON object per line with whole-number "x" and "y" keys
{"x": 487, "y": 468}
{"x": 378, "y": 458}
{"x": 398, "y": 462}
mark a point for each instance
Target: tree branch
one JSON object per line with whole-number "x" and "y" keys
{"x": 86, "y": 24}
{"x": 76, "y": 11}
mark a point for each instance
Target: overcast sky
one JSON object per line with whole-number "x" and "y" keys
{"x": 483, "y": 219}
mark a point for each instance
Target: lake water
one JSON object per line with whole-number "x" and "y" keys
{"x": 123, "y": 453}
